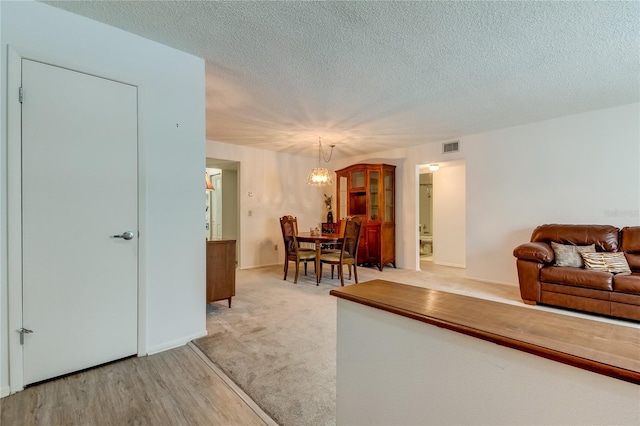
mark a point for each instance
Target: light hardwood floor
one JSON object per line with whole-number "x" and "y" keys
{"x": 176, "y": 387}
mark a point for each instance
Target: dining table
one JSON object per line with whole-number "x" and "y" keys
{"x": 317, "y": 239}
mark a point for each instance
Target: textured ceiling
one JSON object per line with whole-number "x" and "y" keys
{"x": 370, "y": 76}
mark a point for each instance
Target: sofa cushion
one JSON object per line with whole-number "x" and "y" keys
{"x": 625, "y": 305}
{"x": 606, "y": 262}
{"x": 569, "y": 255}
{"x": 633, "y": 259}
{"x": 630, "y": 245}
{"x": 577, "y": 277}
{"x": 628, "y": 298}
{"x": 630, "y": 236}
{"x": 605, "y": 237}
{"x": 624, "y": 310}
{"x": 627, "y": 283}
{"x": 571, "y": 290}
{"x": 587, "y": 304}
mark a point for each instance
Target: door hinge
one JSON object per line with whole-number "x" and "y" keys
{"x": 22, "y": 332}
{"x": 20, "y": 94}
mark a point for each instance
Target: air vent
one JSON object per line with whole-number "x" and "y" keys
{"x": 451, "y": 147}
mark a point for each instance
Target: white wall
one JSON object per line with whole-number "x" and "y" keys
{"x": 230, "y": 205}
{"x": 4, "y": 319}
{"x": 393, "y": 370}
{"x": 583, "y": 168}
{"x": 449, "y": 214}
{"x": 278, "y": 186}
{"x": 171, "y": 110}
{"x": 578, "y": 169}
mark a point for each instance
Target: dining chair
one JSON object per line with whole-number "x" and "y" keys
{"x": 333, "y": 247}
{"x": 293, "y": 251}
{"x": 348, "y": 254}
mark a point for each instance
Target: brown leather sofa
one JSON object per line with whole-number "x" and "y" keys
{"x": 616, "y": 295}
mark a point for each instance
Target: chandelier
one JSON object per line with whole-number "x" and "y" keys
{"x": 321, "y": 176}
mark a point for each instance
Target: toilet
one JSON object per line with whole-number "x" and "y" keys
{"x": 426, "y": 241}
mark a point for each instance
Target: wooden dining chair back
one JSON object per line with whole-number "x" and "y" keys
{"x": 341, "y": 226}
{"x": 332, "y": 247}
{"x": 348, "y": 254}
{"x": 293, "y": 251}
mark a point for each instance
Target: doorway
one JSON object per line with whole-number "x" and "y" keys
{"x": 74, "y": 203}
{"x": 223, "y": 217}
{"x": 425, "y": 223}
{"x": 213, "y": 218}
{"x": 441, "y": 213}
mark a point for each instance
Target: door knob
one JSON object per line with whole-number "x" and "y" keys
{"x": 128, "y": 235}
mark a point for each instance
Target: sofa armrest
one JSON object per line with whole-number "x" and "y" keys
{"x": 535, "y": 252}
{"x": 529, "y": 279}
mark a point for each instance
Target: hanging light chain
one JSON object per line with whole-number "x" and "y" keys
{"x": 321, "y": 154}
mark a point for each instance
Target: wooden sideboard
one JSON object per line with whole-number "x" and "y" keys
{"x": 221, "y": 270}
{"x": 330, "y": 228}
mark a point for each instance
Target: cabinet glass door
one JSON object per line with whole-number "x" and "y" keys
{"x": 342, "y": 196}
{"x": 357, "y": 179}
{"x": 388, "y": 197}
{"x": 374, "y": 208}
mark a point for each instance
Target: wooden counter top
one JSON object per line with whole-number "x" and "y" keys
{"x": 604, "y": 348}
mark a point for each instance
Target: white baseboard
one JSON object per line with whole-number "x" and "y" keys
{"x": 484, "y": 280}
{"x": 4, "y": 391}
{"x": 175, "y": 343}
{"x": 454, "y": 265}
{"x": 246, "y": 268}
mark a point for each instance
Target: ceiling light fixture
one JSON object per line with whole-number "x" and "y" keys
{"x": 434, "y": 167}
{"x": 321, "y": 176}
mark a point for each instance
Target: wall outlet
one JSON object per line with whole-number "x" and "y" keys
{"x": 275, "y": 247}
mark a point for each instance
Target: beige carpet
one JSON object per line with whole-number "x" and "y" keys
{"x": 278, "y": 344}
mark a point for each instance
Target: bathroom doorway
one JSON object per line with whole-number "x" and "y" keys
{"x": 425, "y": 222}
{"x": 441, "y": 216}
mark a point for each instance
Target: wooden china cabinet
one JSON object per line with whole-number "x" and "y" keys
{"x": 368, "y": 192}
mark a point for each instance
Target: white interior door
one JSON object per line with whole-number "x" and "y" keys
{"x": 79, "y": 189}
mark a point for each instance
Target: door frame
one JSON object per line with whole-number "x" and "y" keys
{"x": 451, "y": 162}
{"x": 14, "y": 205}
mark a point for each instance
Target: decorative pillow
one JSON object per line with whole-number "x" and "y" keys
{"x": 569, "y": 255}
{"x": 606, "y": 261}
